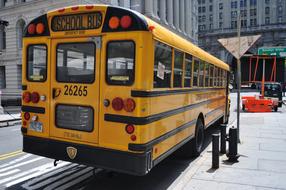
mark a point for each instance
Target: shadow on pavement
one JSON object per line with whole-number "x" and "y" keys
{"x": 160, "y": 177}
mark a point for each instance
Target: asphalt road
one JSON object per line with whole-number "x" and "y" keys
{"x": 19, "y": 170}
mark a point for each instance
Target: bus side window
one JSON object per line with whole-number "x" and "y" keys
{"x": 162, "y": 66}
{"x": 188, "y": 70}
{"x": 215, "y": 76}
{"x": 207, "y": 75}
{"x": 211, "y": 75}
{"x": 178, "y": 69}
{"x": 196, "y": 72}
{"x": 201, "y": 73}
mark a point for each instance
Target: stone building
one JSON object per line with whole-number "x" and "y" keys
{"x": 218, "y": 19}
{"x": 178, "y": 15}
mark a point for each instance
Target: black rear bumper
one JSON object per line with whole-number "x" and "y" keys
{"x": 125, "y": 162}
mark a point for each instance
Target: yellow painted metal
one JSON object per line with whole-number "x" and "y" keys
{"x": 110, "y": 134}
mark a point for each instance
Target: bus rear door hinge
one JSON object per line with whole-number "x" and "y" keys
{"x": 97, "y": 41}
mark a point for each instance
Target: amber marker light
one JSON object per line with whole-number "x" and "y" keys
{"x": 40, "y": 28}
{"x": 125, "y": 21}
{"x": 114, "y": 22}
{"x": 151, "y": 28}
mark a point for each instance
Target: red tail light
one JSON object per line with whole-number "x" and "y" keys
{"x": 129, "y": 105}
{"x": 114, "y": 22}
{"x": 35, "y": 97}
{"x": 26, "y": 97}
{"x": 40, "y": 28}
{"x": 27, "y": 115}
{"x": 61, "y": 10}
{"x": 129, "y": 129}
{"x": 32, "y": 29}
{"x": 125, "y": 22}
{"x": 117, "y": 104}
{"x": 133, "y": 137}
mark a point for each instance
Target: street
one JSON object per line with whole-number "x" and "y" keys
{"x": 20, "y": 170}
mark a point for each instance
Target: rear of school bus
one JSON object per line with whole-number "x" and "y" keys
{"x": 79, "y": 66}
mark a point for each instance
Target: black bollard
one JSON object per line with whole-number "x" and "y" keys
{"x": 232, "y": 142}
{"x": 215, "y": 151}
{"x": 223, "y": 138}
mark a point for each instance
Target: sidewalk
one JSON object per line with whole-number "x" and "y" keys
{"x": 9, "y": 119}
{"x": 261, "y": 166}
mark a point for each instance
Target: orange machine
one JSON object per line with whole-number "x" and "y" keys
{"x": 259, "y": 103}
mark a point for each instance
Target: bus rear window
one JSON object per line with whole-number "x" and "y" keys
{"x": 37, "y": 63}
{"x": 76, "y": 62}
{"x": 120, "y": 62}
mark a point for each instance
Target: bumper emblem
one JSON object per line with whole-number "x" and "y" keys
{"x": 71, "y": 152}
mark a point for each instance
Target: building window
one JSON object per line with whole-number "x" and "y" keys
{"x": 253, "y": 2}
{"x": 233, "y": 14}
{"x": 199, "y": 2}
{"x": 202, "y": 27}
{"x": 211, "y": 8}
{"x": 203, "y": 18}
{"x": 267, "y": 10}
{"x": 252, "y": 12}
{"x": 203, "y": 1}
{"x": 211, "y": 26}
{"x": 267, "y": 20}
{"x": 253, "y": 22}
{"x": 243, "y": 3}
{"x": 20, "y": 26}
{"x": 220, "y": 16}
{"x": 243, "y": 23}
{"x": 233, "y": 24}
{"x": 2, "y": 77}
{"x": 280, "y": 19}
{"x": 267, "y": 2}
{"x": 2, "y": 39}
{"x": 211, "y": 18}
{"x": 234, "y": 4}
{"x": 243, "y": 13}
{"x": 220, "y": 24}
{"x": 280, "y": 10}
{"x": 203, "y": 9}
{"x": 210, "y": 1}
{"x": 221, "y": 6}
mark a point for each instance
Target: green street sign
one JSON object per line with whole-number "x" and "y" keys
{"x": 274, "y": 51}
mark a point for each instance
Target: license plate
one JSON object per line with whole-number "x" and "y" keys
{"x": 36, "y": 126}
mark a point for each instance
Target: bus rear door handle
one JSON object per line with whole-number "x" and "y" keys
{"x": 56, "y": 92}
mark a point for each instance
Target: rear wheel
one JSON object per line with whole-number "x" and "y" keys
{"x": 194, "y": 147}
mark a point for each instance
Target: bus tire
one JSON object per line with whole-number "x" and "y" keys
{"x": 198, "y": 140}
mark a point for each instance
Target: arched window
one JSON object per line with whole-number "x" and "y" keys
{"x": 20, "y": 30}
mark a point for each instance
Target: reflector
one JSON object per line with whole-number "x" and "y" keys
{"x": 117, "y": 104}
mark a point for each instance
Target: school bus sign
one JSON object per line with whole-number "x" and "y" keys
{"x": 275, "y": 51}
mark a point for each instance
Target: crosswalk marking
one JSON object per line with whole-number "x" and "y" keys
{"x": 15, "y": 161}
{"x": 35, "y": 172}
{"x": 47, "y": 178}
{"x": 9, "y": 172}
{"x": 58, "y": 183}
{"x": 21, "y": 164}
{"x": 65, "y": 176}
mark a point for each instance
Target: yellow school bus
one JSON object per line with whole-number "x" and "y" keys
{"x": 107, "y": 87}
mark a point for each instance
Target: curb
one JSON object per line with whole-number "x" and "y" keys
{"x": 11, "y": 122}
